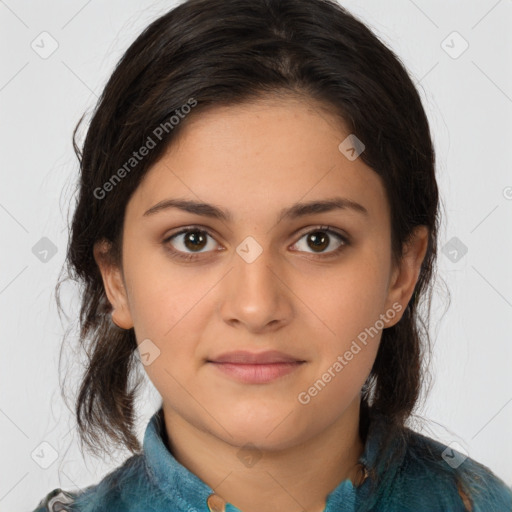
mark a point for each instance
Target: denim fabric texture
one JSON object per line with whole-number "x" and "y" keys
{"x": 419, "y": 478}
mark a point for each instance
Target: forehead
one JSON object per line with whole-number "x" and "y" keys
{"x": 260, "y": 156}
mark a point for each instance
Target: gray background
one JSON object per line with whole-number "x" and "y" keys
{"x": 468, "y": 97}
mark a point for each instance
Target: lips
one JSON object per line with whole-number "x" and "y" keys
{"x": 256, "y": 368}
{"x": 245, "y": 357}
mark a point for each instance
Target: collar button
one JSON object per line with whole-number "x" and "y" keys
{"x": 216, "y": 503}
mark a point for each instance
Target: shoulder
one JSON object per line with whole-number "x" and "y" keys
{"x": 124, "y": 488}
{"x": 440, "y": 473}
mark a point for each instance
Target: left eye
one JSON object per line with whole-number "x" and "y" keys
{"x": 320, "y": 239}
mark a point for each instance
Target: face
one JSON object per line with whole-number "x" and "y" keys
{"x": 257, "y": 272}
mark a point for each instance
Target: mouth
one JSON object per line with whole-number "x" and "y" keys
{"x": 256, "y": 368}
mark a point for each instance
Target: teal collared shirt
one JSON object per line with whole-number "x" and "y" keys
{"x": 411, "y": 472}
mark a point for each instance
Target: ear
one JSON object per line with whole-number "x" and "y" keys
{"x": 405, "y": 274}
{"x": 113, "y": 282}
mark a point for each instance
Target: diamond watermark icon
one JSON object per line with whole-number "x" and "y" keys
{"x": 44, "y": 45}
{"x": 454, "y": 45}
{"x": 249, "y": 455}
{"x": 454, "y": 249}
{"x": 351, "y": 147}
{"x": 44, "y": 250}
{"x": 249, "y": 250}
{"x": 44, "y": 455}
{"x": 454, "y": 454}
{"x": 147, "y": 352}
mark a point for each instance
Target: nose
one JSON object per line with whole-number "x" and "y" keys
{"x": 256, "y": 294}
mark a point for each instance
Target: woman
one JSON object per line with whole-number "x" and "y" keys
{"x": 257, "y": 225}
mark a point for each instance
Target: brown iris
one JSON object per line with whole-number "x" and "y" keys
{"x": 319, "y": 239}
{"x": 195, "y": 240}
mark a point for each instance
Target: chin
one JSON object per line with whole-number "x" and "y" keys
{"x": 273, "y": 432}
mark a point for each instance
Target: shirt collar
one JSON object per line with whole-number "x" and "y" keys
{"x": 188, "y": 492}
{"x": 181, "y": 486}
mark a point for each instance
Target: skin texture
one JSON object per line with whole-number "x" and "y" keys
{"x": 253, "y": 160}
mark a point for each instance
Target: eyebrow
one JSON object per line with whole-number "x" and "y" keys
{"x": 293, "y": 212}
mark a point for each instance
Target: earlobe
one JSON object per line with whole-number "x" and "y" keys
{"x": 122, "y": 318}
{"x": 114, "y": 285}
{"x": 405, "y": 275}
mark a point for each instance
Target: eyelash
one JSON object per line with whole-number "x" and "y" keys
{"x": 193, "y": 256}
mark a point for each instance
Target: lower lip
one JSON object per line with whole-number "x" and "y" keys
{"x": 257, "y": 373}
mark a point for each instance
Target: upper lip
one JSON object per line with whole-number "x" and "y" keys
{"x": 245, "y": 357}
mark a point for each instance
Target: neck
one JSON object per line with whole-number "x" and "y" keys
{"x": 298, "y": 478}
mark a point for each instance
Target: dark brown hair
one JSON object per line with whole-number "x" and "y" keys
{"x": 213, "y": 53}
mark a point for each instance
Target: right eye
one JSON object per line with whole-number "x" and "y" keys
{"x": 192, "y": 239}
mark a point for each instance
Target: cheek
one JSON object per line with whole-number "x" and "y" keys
{"x": 163, "y": 295}
{"x": 350, "y": 298}
{"x": 350, "y": 304}
{"x": 170, "y": 306}
{"x": 350, "y": 309}
{"x": 348, "y": 350}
